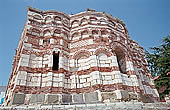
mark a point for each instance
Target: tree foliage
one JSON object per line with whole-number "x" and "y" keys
{"x": 159, "y": 64}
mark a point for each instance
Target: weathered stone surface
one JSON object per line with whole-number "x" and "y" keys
{"x": 122, "y": 95}
{"x": 66, "y": 98}
{"x": 27, "y": 98}
{"x": 88, "y": 61}
{"x": 37, "y": 98}
{"x": 78, "y": 98}
{"x": 52, "y": 99}
{"x": 108, "y": 96}
{"x": 98, "y": 106}
{"x": 18, "y": 99}
{"x": 91, "y": 97}
{"x": 133, "y": 96}
{"x": 146, "y": 99}
{"x": 125, "y": 95}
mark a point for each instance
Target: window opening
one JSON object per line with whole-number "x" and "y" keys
{"x": 55, "y": 61}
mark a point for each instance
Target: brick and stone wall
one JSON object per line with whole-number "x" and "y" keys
{"x": 89, "y": 54}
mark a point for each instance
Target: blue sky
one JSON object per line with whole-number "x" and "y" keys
{"x": 148, "y": 21}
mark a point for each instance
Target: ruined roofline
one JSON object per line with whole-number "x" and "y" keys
{"x": 45, "y": 12}
{"x": 77, "y": 14}
{"x": 92, "y": 11}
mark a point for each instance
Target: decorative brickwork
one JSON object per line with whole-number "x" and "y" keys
{"x": 84, "y": 55}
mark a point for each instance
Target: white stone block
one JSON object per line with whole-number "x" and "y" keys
{"x": 114, "y": 64}
{"x": 95, "y": 75}
{"x": 51, "y": 41}
{"x": 109, "y": 82}
{"x": 82, "y": 80}
{"x": 73, "y": 85}
{"x": 49, "y": 84}
{"x": 55, "y": 84}
{"x": 27, "y": 46}
{"x": 87, "y": 84}
{"x": 90, "y": 41}
{"x": 50, "y": 73}
{"x": 129, "y": 66}
{"x": 21, "y": 82}
{"x": 118, "y": 94}
{"x": 22, "y": 75}
{"x": 108, "y": 77}
{"x": 156, "y": 92}
{"x": 118, "y": 76}
{"x": 61, "y": 84}
{"x": 93, "y": 64}
{"x": 108, "y": 61}
{"x": 24, "y": 63}
{"x": 41, "y": 42}
{"x": 86, "y": 67}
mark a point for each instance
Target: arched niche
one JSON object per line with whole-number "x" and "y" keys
{"x": 84, "y": 34}
{"x": 35, "y": 31}
{"x": 84, "y": 21}
{"x": 102, "y": 50}
{"x": 95, "y": 32}
{"x": 57, "y": 32}
{"x": 93, "y": 20}
{"x": 75, "y": 23}
{"x": 103, "y": 21}
{"x": 102, "y": 58}
{"x": 37, "y": 17}
{"x": 119, "y": 26}
{"x": 66, "y": 22}
{"x": 121, "y": 60}
{"x": 48, "y": 19}
{"x": 75, "y": 36}
{"x": 112, "y": 23}
{"x": 104, "y": 32}
{"x": 81, "y": 58}
{"x": 57, "y": 18}
{"x": 46, "y": 33}
{"x": 65, "y": 35}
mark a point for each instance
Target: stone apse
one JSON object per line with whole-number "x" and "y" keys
{"x": 79, "y": 58}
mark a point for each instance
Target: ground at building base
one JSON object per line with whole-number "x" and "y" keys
{"x": 97, "y": 106}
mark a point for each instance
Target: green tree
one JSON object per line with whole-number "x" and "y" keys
{"x": 159, "y": 65}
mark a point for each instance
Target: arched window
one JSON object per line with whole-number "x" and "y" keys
{"x": 112, "y": 23}
{"x": 75, "y": 23}
{"x": 47, "y": 33}
{"x": 94, "y": 32}
{"x": 93, "y": 20}
{"x": 121, "y": 60}
{"x": 104, "y": 32}
{"x": 35, "y": 32}
{"x": 119, "y": 26}
{"x": 84, "y": 34}
{"x": 66, "y": 22}
{"x": 84, "y": 21}
{"x": 81, "y": 64}
{"x": 75, "y": 36}
{"x": 37, "y": 16}
{"x": 55, "y": 61}
{"x": 81, "y": 60}
{"x": 65, "y": 35}
{"x": 57, "y": 32}
{"x": 103, "y": 21}
{"x": 32, "y": 60}
{"x": 102, "y": 58}
{"x": 57, "y": 18}
{"x": 48, "y": 19}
